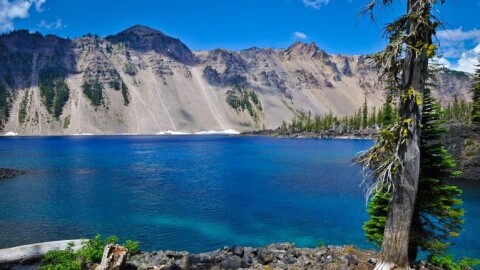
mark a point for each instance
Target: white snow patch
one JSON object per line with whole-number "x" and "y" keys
{"x": 11, "y": 134}
{"x": 82, "y": 134}
{"x": 171, "y": 132}
{"x": 218, "y": 132}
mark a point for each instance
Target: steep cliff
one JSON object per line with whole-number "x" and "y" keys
{"x": 143, "y": 81}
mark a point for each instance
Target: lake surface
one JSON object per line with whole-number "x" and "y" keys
{"x": 194, "y": 193}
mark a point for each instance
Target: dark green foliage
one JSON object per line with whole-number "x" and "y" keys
{"x": 4, "y": 105}
{"x": 126, "y": 99}
{"x": 90, "y": 252}
{"x": 389, "y": 115}
{"x": 476, "y": 96}
{"x": 114, "y": 84}
{"x": 377, "y": 209}
{"x": 365, "y": 114}
{"x": 22, "y": 112}
{"x": 448, "y": 262}
{"x": 116, "y": 81}
{"x": 132, "y": 246}
{"x": 241, "y": 99}
{"x": 61, "y": 260}
{"x": 438, "y": 212}
{"x": 94, "y": 91}
{"x": 53, "y": 89}
{"x": 304, "y": 122}
{"x": 458, "y": 112}
{"x": 130, "y": 69}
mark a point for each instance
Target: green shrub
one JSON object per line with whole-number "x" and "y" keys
{"x": 4, "y": 105}
{"x": 61, "y": 260}
{"x": 132, "y": 246}
{"x": 22, "y": 112}
{"x": 90, "y": 252}
{"x": 240, "y": 99}
{"x": 94, "y": 91}
{"x": 66, "y": 122}
{"x": 448, "y": 262}
{"x": 125, "y": 94}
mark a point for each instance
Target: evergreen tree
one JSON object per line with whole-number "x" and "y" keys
{"x": 388, "y": 116}
{"x": 438, "y": 213}
{"x": 476, "y": 96}
{"x": 365, "y": 113}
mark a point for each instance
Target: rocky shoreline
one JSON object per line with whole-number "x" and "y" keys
{"x": 329, "y": 134}
{"x": 280, "y": 256}
{"x": 274, "y": 256}
{"x": 8, "y": 173}
{"x": 463, "y": 142}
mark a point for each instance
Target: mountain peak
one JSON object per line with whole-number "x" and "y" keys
{"x": 141, "y": 30}
{"x": 144, "y": 38}
{"x": 306, "y": 49}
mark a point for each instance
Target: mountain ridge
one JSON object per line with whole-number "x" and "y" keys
{"x": 143, "y": 81}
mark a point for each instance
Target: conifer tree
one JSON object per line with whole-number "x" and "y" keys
{"x": 476, "y": 96}
{"x": 395, "y": 158}
{"x": 438, "y": 213}
{"x": 365, "y": 114}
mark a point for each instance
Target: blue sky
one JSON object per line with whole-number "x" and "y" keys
{"x": 335, "y": 25}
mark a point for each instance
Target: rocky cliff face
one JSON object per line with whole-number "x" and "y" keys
{"x": 143, "y": 81}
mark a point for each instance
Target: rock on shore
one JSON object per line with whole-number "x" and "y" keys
{"x": 274, "y": 256}
{"x": 8, "y": 173}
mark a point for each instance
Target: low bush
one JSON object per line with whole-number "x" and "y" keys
{"x": 90, "y": 252}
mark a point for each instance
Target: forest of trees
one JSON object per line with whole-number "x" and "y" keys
{"x": 94, "y": 91}
{"x": 4, "y": 105}
{"x": 240, "y": 99}
{"x": 456, "y": 112}
{"x": 53, "y": 89}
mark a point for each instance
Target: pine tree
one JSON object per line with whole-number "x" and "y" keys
{"x": 365, "y": 114}
{"x": 388, "y": 117}
{"x": 438, "y": 213}
{"x": 476, "y": 96}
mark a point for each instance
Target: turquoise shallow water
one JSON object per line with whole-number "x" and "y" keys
{"x": 194, "y": 193}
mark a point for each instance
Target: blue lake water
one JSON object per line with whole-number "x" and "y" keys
{"x": 194, "y": 193}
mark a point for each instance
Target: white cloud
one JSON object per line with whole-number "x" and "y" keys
{"x": 299, "y": 35}
{"x": 38, "y": 4}
{"x": 459, "y": 49}
{"x": 442, "y": 62}
{"x": 316, "y": 4}
{"x": 10, "y": 10}
{"x": 466, "y": 62}
{"x": 53, "y": 25}
{"x": 453, "y": 42}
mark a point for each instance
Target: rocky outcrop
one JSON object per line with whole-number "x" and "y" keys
{"x": 9, "y": 173}
{"x": 328, "y": 134}
{"x": 142, "y": 81}
{"x": 463, "y": 142}
{"x": 275, "y": 256}
{"x": 144, "y": 39}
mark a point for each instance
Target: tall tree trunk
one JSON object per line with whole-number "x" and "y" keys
{"x": 397, "y": 228}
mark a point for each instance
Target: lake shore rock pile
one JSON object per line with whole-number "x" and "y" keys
{"x": 328, "y": 134}
{"x": 8, "y": 173}
{"x": 274, "y": 256}
{"x": 463, "y": 142}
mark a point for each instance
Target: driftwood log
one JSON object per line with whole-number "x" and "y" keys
{"x": 114, "y": 258}
{"x": 34, "y": 251}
